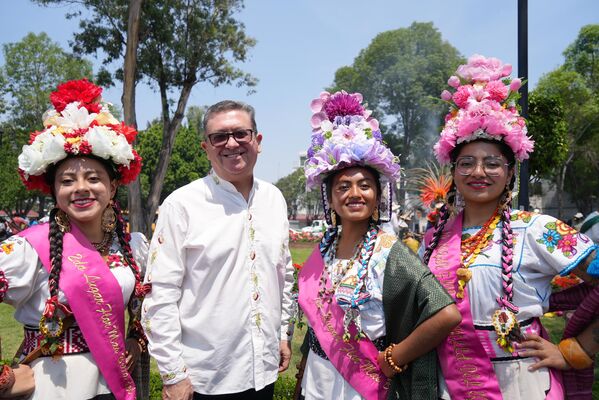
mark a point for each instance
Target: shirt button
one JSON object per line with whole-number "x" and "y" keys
{"x": 252, "y": 255}
{"x": 256, "y": 296}
{"x": 249, "y": 216}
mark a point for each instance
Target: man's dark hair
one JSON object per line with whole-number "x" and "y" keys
{"x": 229, "y": 105}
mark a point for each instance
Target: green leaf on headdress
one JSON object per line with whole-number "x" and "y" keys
{"x": 332, "y": 160}
{"x": 368, "y": 133}
{"x": 328, "y": 134}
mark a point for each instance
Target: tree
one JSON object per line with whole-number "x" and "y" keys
{"x": 547, "y": 125}
{"x": 293, "y": 187}
{"x": 181, "y": 43}
{"x": 187, "y": 164}
{"x": 33, "y": 68}
{"x": 582, "y": 56}
{"x": 581, "y": 111}
{"x": 399, "y": 74}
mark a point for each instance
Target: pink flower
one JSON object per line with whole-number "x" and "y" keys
{"x": 497, "y": 90}
{"x": 567, "y": 244}
{"x": 453, "y": 81}
{"x": 446, "y": 95}
{"x": 461, "y": 96}
{"x": 483, "y": 69}
{"x": 515, "y": 85}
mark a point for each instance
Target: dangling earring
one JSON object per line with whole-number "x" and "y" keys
{"x": 375, "y": 215}
{"x": 108, "y": 219}
{"x": 62, "y": 220}
{"x": 333, "y": 218}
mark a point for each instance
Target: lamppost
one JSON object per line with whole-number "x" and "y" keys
{"x": 523, "y": 202}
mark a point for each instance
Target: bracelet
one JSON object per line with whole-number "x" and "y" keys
{"x": 389, "y": 358}
{"x": 7, "y": 378}
{"x": 574, "y": 354}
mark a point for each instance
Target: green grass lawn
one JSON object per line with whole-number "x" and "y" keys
{"x": 11, "y": 334}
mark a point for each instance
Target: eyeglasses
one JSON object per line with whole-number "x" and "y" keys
{"x": 241, "y": 136}
{"x": 491, "y": 165}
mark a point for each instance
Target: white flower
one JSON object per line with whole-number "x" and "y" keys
{"x": 31, "y": 161}
{"x": 106, "y": 143}
{"x": 46, "y": 149}
{"x": 74, "y": 117}
{"x": 53, "y": 150}
{"x": 99, "y": 138}
{"x": 326, "y": 126}
{"x": 122, "y": 152}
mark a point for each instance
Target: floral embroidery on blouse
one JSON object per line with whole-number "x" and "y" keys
{"x": 8, "y": 245}
{"x": 525, "y": 216}
{"x": 562, "y": 237}
{"x": 115, "y": 260}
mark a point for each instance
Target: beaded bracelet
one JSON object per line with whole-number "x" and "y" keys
{"x": 574, "y": 354}
{"x": 389, "y": 358}
{"x": 7, "y": 378}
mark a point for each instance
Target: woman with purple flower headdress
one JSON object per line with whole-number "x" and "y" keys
{"x": 375, "y": 311}
{"x": 498, "y": 264}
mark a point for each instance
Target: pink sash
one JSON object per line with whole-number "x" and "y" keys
{"x": 465, "y": 347}
{"x": 356, "y": 361}
{"x": 96, "y": 300}
{"x": 466, "y": 367}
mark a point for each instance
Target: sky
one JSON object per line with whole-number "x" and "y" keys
{"x": 301, "y": 43}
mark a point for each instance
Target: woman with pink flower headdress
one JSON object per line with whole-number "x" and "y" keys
{"x": 375, "y": 311}
{"x": 497, "y": 263}
{"x": 71, "y": 279}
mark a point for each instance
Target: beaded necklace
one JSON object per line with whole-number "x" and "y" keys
{"x": 471, "y": 248}
{"x": 363, "y": 254}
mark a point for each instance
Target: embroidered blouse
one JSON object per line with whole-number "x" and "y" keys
{"x": 221, "y": 277}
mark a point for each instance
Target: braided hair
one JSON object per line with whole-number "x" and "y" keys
{"x": 55, "y": 236}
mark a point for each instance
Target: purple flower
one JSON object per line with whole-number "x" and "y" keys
{"x": 342, "y": 104}
{"x": 377, "y": 135}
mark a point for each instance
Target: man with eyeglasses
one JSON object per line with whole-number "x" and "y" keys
{"x": 218, "y": 317}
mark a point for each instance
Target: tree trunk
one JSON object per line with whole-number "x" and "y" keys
{"x": 169, "y": 132}
{"x": 134, "y": 195}
{"x": 561, "y": 179}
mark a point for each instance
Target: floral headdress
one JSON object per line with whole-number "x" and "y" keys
{"x": 78, "y": 124}
{"x": 345, "y": 135}
{"x": 483, "y": 106}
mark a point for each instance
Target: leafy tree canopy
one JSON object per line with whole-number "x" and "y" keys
{"x": 399, "y": 74}
{"x": 33, "y": 68}
{"x": 188, "y": 162}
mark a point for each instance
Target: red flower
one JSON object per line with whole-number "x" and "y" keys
{"x": 81, "y": 90}
{"x": 85, "y": 147}
{"x": 35, "y": 182}
{"x": 297, "y": 266}
{"x": 129, "y": 132}
{"x": 128, "y": 174}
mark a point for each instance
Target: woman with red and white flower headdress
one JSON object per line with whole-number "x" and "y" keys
{"x": 375, "y": 311}
{"x": 71, "y": 279}
{"x": 497, "y": 263}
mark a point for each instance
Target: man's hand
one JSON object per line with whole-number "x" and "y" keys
{"x": 133, "y": 353}
{"x": 179, "y": 391}
{"x": 285, "y": 351}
